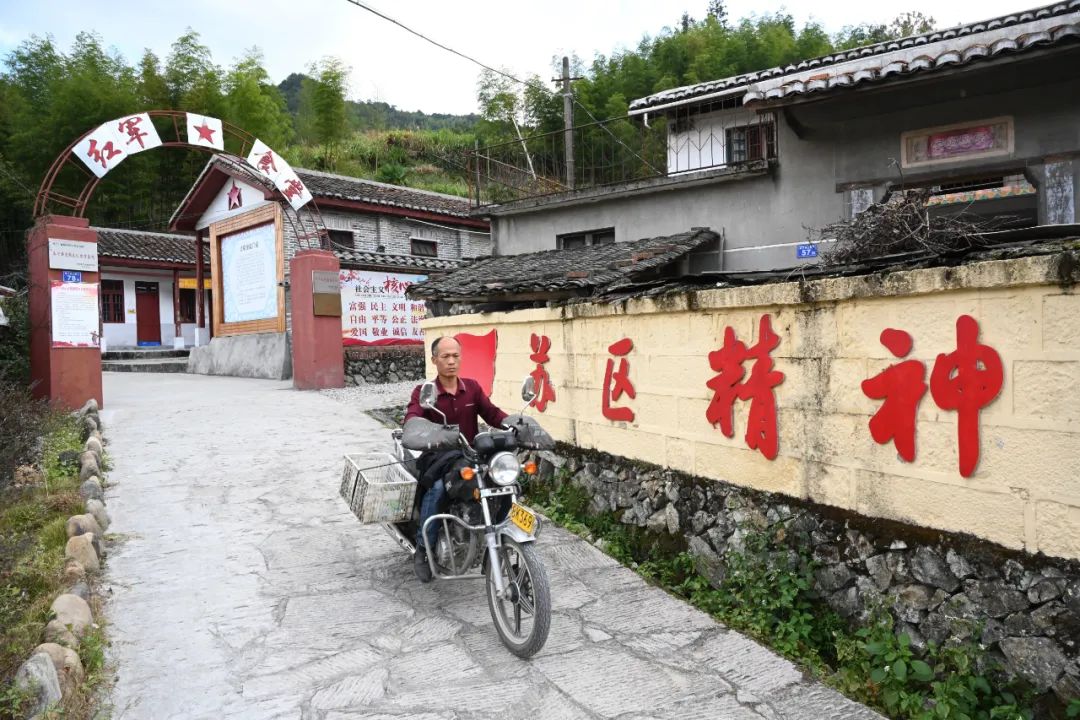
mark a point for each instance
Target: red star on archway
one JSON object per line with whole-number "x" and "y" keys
{"x": 205, "y": 132}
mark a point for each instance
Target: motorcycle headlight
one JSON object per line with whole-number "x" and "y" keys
{"x": 504, "y": 468}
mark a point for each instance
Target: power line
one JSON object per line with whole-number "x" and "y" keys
{"x": 535, "y": 86}
{"x": 438, "y": 44}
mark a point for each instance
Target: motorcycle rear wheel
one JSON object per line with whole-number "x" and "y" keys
{"x": 523, "y": 619}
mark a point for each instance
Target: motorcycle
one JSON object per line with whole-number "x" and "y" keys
{"x": 484, "y": 532}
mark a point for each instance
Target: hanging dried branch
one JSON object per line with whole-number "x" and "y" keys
{"x": 902, "y": 224}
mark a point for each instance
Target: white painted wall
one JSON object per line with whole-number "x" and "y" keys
{"x": 125, "y": 334}
{"x": 251, "y": 197}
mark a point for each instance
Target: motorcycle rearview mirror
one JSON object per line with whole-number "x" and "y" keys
{"x": 528, "y": 389}
{"x": 428, "y": 394}
{"x": 528, "y": 392}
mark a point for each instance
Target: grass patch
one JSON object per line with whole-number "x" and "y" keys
{"x": 32, "y": 541}
{"x": 767, "y": 593}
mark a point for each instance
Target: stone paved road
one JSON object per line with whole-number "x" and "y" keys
{"x": 242, "y": 587}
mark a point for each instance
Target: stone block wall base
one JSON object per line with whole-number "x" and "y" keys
{"x": 261, "y": 355}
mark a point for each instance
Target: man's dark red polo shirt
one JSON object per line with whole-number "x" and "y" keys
{"x": 461, "y": 409}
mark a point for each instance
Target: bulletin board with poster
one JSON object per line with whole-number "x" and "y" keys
{"x": 375, "y": 311}
{"x": 75, "y": 315}
{"x": 247, "y": 265}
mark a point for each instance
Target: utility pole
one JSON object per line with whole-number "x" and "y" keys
{"x": 568, "y": 122}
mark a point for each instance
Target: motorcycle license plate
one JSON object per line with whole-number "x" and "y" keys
{"x": 523, "y": 517}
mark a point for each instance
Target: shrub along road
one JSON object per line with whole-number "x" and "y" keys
{"x": 242, "y": 587}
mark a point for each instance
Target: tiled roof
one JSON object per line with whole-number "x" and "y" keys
{"x": 589, "y": 269}
{"x": 340, "y": 187}
{"x": 241, "y": 168}
{"x": 357, "y": 257}
{"x": 326, "y": 185}
{"x": 1019, "y": 32}
{"x": 150, "y": 246}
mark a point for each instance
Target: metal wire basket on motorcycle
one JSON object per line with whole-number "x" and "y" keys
{"x": 377, "y": 488}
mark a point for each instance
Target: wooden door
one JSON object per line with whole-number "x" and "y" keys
{"x": 147, "y": 313}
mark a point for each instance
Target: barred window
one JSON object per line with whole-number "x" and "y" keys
{"x": 112, "y": 301}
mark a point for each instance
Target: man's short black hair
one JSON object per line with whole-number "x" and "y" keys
{"x": 435, "y": 344}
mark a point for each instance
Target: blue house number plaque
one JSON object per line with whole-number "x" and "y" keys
{"x": 807, "y": 250}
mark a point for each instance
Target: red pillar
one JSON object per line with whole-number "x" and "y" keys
{"x": 200, "y": 296}
{"x": 67, "y": 376}
{"x": 318, "y": 356}
{"x": 176, "y": 308}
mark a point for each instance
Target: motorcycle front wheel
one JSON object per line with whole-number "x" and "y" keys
{"x": 523, "y": 616}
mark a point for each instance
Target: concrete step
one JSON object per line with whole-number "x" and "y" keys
{"x": 144, "y": 353}
{"x": 154, "y": 365}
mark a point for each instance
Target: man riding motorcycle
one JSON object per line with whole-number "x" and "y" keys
{"x": 462, "y": 401}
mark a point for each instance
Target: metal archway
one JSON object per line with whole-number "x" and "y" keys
{"x": 307, "y": 223}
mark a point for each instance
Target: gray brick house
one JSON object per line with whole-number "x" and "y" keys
{"x": 150, "y": 288}
{"x": 985, "y": 115}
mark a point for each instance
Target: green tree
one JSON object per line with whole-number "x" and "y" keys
{"x": 254, "y": 104}
{"x": 194, "y": 81}
{"x": 911, "y": 23}
{"x": 323, "y": 117}
{"x": 33, "y": 70}
{"x": 152, "y": 87}
{"x": 718, "y": 11}
{"x": 903, "y": 25}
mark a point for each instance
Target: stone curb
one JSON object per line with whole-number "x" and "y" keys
{"x": 83, "y": 554}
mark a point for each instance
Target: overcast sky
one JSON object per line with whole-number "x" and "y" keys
{"x": 391, "y": 65}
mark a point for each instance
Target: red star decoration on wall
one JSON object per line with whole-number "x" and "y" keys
{"x": 236, "y": 200}
{"x": 205, "y": 132}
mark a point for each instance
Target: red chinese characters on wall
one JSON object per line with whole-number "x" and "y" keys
{"x": 545, "y": 393}
{"x": 617, "y": 382}
{"x": 728, "y": 385}
{"x": 901, "y": 386}
{"x": 965, "y": 380}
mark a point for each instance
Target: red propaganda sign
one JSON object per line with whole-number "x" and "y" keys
{"x": 375, "y": 311}
{"x": 545, "y": 393}
{"x": 965, "y": 380}
{"x": 963, "y": 141}
{"x": 617, "y": 382}
{"x": 478, "y": 358}
{"x": 728, "y": 385}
